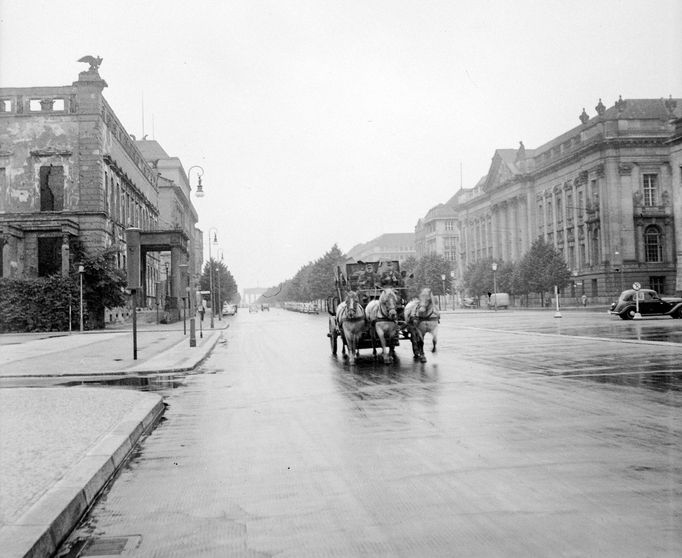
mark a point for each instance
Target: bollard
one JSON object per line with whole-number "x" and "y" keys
{"x": 192, "y": 333}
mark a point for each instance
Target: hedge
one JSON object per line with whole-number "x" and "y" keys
{"x": 39, "y": 304}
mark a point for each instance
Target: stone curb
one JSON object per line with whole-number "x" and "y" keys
{"x": 205, "y": 353}
{"x": 40, "y": 531}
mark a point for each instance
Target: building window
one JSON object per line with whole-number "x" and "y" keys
{"x": 581, "y": 205}
{"x": 51, "y": 188}
{"x": 595, "y": 288}
{"x": 550, "y": 217}
{"x": 559, "y": 209}
{"x": 650, "y": 188}
{"x": 653, "y": 249}
{"x": 657, "y": 283}
{"x": 49, "y": 255}
{"x": 541, "y": 216}
{"x": 450, "y": 225}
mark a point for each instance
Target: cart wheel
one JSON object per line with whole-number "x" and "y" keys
{"x": 333, "y": 336}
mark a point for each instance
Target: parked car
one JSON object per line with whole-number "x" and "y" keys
{"x": 650, "y": 304}
{"x": 229, "y": 309}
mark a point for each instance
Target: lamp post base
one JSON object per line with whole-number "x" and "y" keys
{"x": 192, "y": 333}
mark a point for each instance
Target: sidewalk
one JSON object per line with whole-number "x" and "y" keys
{"x": 59, "y": 446}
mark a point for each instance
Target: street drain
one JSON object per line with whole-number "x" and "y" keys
{"x": 110, "y": 546}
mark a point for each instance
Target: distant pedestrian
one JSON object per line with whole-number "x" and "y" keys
{"x": 202, "y": 311}
{"x": 584, "y": 299}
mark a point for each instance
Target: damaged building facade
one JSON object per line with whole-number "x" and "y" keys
{"x": 604, "y": 194}
{"x": 70, "y": 173}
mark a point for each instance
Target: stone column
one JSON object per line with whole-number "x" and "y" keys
{"x": 493, "y": 226}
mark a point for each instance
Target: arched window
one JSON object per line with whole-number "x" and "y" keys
{"x": 653, "y": 245}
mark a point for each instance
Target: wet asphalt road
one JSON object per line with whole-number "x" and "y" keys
{"x": 523, "y": 436}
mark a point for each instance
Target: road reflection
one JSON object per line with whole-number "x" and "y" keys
{"x": 373, "y": 380}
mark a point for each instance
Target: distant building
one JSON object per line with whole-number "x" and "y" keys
{"x": 604, "y": 194}
{"x": 389, "y": 246}
{"x": 70, "y": 173}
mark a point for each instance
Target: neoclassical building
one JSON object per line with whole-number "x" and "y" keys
{"x": 70, "y": 172}
{"x": 603, "y": 194}
{"x": 388, "y": 246}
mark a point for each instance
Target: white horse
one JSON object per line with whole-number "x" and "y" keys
{"x": 382, "y": 316}
{"x": 351, "y": 319}
{"x": 422, "y": 317}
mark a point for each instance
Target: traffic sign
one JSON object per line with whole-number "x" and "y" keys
{"x": 636, "y": 286}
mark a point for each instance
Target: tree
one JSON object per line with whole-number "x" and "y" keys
{"x": 103, "y": 285}
{"x": 428, "y": 272}
{"x": 541, "y": 269}
{"x": 478, "y": 277}
{"x": 229, "y": 291}
{"x": 322, "y": 274}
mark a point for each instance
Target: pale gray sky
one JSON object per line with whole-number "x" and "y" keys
{"x": 321, "y": 122}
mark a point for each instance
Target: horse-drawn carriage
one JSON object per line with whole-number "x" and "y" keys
{"x": 368, "y": 310}
{"x": 371, "y": 309}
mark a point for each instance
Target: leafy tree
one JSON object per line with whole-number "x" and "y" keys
{"x": 103, "y": 285}
{"x": 229, "y": 291}
{"x": 427, "y": 273}
{"x": 541, "y": 269}
{"x": 480, "y": 279}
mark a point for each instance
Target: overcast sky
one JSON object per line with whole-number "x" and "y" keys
{"x": 320, "y": 122}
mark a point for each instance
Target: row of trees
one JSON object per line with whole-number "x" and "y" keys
{"x": 313, "y": 281}
{"x": 541, "y": 268}
{"x": 538, "y": 271}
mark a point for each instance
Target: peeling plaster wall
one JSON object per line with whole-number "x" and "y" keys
{"x": 26, "y": 144}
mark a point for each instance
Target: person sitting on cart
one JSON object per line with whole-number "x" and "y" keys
{"x": 368, "y": 278}
{"x": 390, "y": 277}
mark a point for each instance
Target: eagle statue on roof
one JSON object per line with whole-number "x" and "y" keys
{"x": 94, "y": 62}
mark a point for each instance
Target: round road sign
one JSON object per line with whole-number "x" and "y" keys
{"x": 636, "y": 286}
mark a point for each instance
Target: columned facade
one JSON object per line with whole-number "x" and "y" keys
{"x": 605, "y": 194}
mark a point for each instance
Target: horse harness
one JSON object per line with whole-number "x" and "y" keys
{"x": 430, "y": 318}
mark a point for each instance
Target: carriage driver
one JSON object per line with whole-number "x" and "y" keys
{"x": 368, "y": 279}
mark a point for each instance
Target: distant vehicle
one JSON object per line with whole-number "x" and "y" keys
{"x": 229, "y": 309}
{"x": 265, "y": 307}
{"x": 498, "y": 300}
{"x": 650, "y": 304}
{"x": 468, "y": 302}
{"x": 253, "y": 308}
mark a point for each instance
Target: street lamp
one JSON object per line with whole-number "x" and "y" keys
{"x": 452, "y": 287}
{"x": 183, "y": 274}
{"x": 210, "y": 268}
{"x": 494, "y": 266}
{"x": 81, "y": 270}
{"x": 200, "y": 189}
{"x": 619, "y": 264}
{"x": 445, "y": 303}
{"x": 220, "y": 307}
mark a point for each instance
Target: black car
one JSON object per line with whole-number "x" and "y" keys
{"x": 650, "y": 304}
